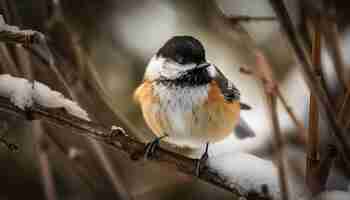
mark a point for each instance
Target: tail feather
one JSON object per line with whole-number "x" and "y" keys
{"x": 243, "y": 130}
{"x": 245, "y": 106}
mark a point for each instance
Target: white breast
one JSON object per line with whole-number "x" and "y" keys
{"x": 175, "y": 104}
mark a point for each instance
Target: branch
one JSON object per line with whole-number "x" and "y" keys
{"x": 311, "y": 79}
{"x": 313, "y": 158}
{"x": 246, "y": 18}
{"x": 13, "y": 34}
{"x": 121, "y": 142}
{"x": 264, "y": 74}
{"x": 332, "y": 39}
{"x": 42, "y": 148}
{"x": 279, "y": 144}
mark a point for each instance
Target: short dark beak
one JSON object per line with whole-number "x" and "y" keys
{"x": 203, "y": 65}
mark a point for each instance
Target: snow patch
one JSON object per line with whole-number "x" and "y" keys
{"x": 247, "y": 170}
{"x": 24, "y": 93}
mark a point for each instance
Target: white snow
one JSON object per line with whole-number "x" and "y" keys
{"x": 247, "y": 171}
{"x": 24, "y": 93}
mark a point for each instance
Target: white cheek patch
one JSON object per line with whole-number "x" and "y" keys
{"x": 212, "y": 71}
{"x": 160, "y": 67}
{"x": 154, "y": 68}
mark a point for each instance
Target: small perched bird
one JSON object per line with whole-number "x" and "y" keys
{"x": 186, "y": 100}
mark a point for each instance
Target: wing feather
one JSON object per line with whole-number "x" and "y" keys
{"x": 228, "y": 89}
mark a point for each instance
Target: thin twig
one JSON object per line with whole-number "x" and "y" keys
{"x": 288, "y": 108}
{"x": 107, "y": 165}
{"x": 279, "y": 144}
{"x": 12, "y": 34}
{"x": 315, "y": 22}
{"x": 44, "y": 164}
{"x": 297, "y": 122}
{"x": 313, "y": 159}
{"x": 246, "y": 18}
{"x": 332, "y": 38}
{"x": 265, "y": 75}
{"x": 113, "y": 177}
{"x": 342, "y": 106}
{"x": 7, "y": 64}
{"x": 71, "y": 163}
{"x": 331, "y": 33}
{"x": 303, "y": 57}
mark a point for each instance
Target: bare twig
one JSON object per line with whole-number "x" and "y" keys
{"x": 7, "y": 64}
{"x": 108, "y": 167}
{"x": 265, "y": 74}
{"x": 296, "y": 121}
{"x": 289, "y": 109}
{"x": 71, "y": 163}
{"x": 311, "y": 79}
{"x": 246, "y": 18}
{"x": 44, "y": 164}
{"x": 342, "y": 106}
{"x": 331, "y": 33}
{"x": 114, "y": 178}
{"x": 313, "y": 159}
{"x": 332, "y": 38}
{"x": 13, "y": 34}
{"x": 279, "y": 144}
{"x": 315, "y": 23}
{"x": 271, "y": 83}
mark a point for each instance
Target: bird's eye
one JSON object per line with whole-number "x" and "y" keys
{"x": 180, "y": 59}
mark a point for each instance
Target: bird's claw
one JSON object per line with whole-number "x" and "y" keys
{"x": 200, "y": 164}
{"x": 151, "y": 148}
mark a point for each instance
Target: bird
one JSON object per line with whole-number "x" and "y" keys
{"x": 186, "y": 100}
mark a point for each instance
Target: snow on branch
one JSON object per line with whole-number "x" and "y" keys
{"x": 24, "y": 98}
{"x": 24, "y": 94}
{"x": 13, "y": 34}
{"x": 252, "y": 173}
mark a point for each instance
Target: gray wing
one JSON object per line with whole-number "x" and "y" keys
{"x": 243, "y": 130}
{"x": 231, "y": 93}
{"x": 228, "y": 89}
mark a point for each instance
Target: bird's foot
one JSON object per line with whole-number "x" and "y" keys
{"x": 202, "y": 161}
{"x": 151, "y": 148}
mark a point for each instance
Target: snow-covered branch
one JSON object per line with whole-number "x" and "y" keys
{"x": 13, "y": 34}
{"x": 34, "y": 100}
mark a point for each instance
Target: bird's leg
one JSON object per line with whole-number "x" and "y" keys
{"x": 202, "y": 160}
{"x": 152, "y": 146}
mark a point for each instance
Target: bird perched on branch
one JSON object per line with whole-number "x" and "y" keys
{"x": 186, "y": 100}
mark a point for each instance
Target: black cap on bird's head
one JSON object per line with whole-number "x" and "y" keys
{"x": 183, "y": 50}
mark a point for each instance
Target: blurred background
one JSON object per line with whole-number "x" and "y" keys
{"x": 101, "y": 49}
